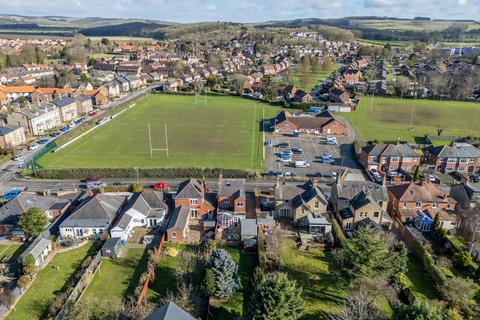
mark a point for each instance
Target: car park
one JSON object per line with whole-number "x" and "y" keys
{"x": 33, "y": 146}
{"x": 42, "y": 141}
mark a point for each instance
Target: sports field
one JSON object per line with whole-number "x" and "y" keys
{"x": 224, "y": 133}
{"x": 388, "y": 119}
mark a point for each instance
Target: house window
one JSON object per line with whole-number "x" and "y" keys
{"x": 226, "y": 200}
{"x": 193, "y": 201}
{"x": 405, "y": 204}
{"x": 194, "y": 213}
{"x": 240, "y": 204}
{"x": 376, "y": 214}
{"x": 434, "y": 205}
{"x": 142, "y": 221}
{"x": 418, "y": 204}
{"x": 284, "y": 212}
{"x": 174, "y": 234}
{"x": 317, "y": 204}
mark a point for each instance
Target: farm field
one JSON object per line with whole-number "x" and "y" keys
{"x": 388, "y": 119}
{"x": 49, "y": 282}
{"x": 117, "y": 278}
{"x": 224, "y": 133}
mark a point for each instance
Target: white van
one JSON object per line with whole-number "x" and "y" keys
{"x": 95, "y": 184}
{"x": 302, "y": 164}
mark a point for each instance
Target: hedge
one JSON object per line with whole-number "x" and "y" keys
{"x": 338, "y": 234}
{"x": 131, "y": 173}
{"x": 437, "y": 275}
{"x": 92, "y": 122}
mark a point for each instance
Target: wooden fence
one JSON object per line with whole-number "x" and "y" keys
{"x": 149, "y": 279}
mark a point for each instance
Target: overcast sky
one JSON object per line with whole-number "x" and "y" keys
{"x": 243, "y": 10}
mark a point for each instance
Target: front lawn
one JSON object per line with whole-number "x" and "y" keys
{"x": 117, "y": 278}
{"x": 49, "y": 281}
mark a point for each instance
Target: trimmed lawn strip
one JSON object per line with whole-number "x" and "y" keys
{"x": 390, "y": 119}
{"x": 225, "y": 133}
{"x": 49, "y": 282}
{"x": 117, "y": 278}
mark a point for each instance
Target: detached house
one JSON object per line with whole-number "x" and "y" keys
{"x": 67, "y": 108}
{"x": 11, "y": 136}
{"x": 92, "y": 218}
{"x": 146, "y": 209}
{"x": 322, "y": 123}
{"x": 406, "y": 199}
{"x": 389, "y": 157}
{"x": 461, "y": 157}
{"x": 360, "y": 202}
{"x": 192, "y": 195}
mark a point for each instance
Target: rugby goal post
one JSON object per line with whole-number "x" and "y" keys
{"x": 150, "y": 142}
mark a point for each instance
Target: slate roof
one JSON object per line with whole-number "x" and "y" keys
{"x": 190, "y": 189}
{"x": 7, "y": 128}
{"x": 83, "y": 97}
{"x": 349, "y": 189}
{"x": 96, "y": 212}
{"x": 63, "y": 101}
{"x": 121, "y": 79}
{"x": 307, "y": 195}
{"x": 464, "y": 193}
{"x": 36, "y": 247}
{"x": 179, "y": 218}
{"x": 10, "y": 212}
{"x": 149, "y": 202}
{"x": 232, "y": 187}
{"x": 287, "y": 191}
{"x": 169, "y": 311}
{"x": 390, "y": 150}
{"x": 361, "y": 200}
{"x": 458, "y": 150}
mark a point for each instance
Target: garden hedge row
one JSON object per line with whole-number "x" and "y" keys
{"x": 131, "y": 173}
{"x": 426, "y": 258}
{"x": 338, "y": 235}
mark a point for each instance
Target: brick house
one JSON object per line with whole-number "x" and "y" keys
{"x": 11, "y": 136}
{"x": 48, "y": 94}
{"x": 192, "y": 195}
{"x": 84, "y": 104}
{"x": 407, "y": 198}
{"x": 303, "y": 97}
{"x": 231, "y": 195}
{"x": 322, "y": 123}
{"x": 461, "y": 157}
{"x": 389, "y": 157}
{"x": 177, "y": 228}
{"x": 352, "y": 76}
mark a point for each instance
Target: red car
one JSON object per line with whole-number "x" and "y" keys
{"x": 90, "y": 179}
{"x": 160, "y": 185}
{"x": 92, "y": 113}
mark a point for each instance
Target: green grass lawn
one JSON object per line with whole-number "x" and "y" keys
{"x": 49, "y": 281}
{"x": 225, "y": 133}
{"x": 11, "y": 251}
{"x": 117, "y": 278}
{"x": 314, "y": 77}
{"x": 422, "y": 284}
{"x": 388, "y": 119}
{"x": 232, "y": 309}
{"x": 312, "y": 270}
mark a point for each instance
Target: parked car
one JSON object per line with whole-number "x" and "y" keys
{"x": 65, "y": 129}
{"x": 302, "y": 164}
{"x": 33, "y": 146}
{"x": 18, "y": 157}
{"x": 268, "y": 143}
{"x": 331, "y": 140}
{"x": 43, "y": 141}
{"x": 12, "y": 194}
{"x": 96, "y": 184}
{"x": 324, "y": 158}
{"x": 286, "y": 152}
{"x": 103, "y": 120}
{"x": 92, "y": 113}
{"x": 432, "y": 178}
{"x": 120, "y": 183}
{"x": 297, "y": 150}
{"x": 287, "y": 174}
{"x": 55, "y": 134}
{"x": 285, "y": 159}
{"x": 92, "y": 179}
{"x": 160, "y": 186}
{"x": 282, "y": 145}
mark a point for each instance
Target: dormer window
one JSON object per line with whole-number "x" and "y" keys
{"x": 226, "y": 200}
{"x": 418, "y": 204}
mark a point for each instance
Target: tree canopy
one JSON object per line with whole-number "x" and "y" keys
{"x": 32, "y": 222}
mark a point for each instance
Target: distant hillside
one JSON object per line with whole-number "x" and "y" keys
{"x": 130, "y": 29}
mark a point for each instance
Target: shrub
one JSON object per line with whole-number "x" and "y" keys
{"x": 136, "y": 187}
{"x": 462, "y": 258}
{"x": 437, "y": 275}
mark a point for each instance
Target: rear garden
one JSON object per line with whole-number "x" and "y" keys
{"x": 49, "y": 282}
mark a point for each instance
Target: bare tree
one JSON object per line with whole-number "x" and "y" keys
{"x": 359, "y": 305}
